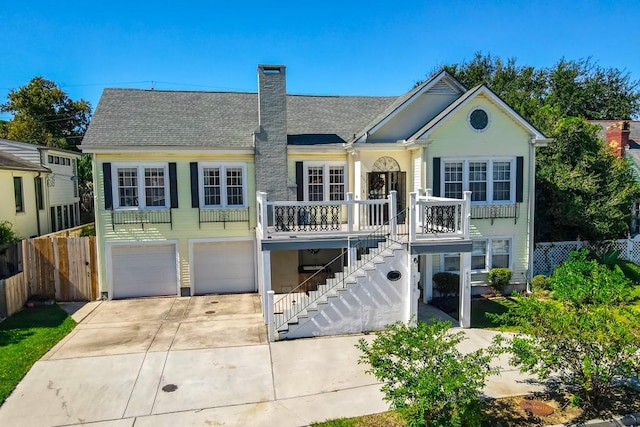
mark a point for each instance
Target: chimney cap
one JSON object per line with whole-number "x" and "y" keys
{"x": 268, "y": 68}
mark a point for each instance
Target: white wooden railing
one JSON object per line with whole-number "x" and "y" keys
{"x": 439, "y": 217}
{"x": 427, "y": 218}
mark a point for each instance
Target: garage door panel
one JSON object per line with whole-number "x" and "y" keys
{"x": 224, "y": 267}
{"x": 143, "y": 270}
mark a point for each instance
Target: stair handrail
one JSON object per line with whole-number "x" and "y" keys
{"x": 382, "y": 234}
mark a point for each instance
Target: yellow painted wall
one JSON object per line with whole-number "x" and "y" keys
{"x": 503, "y": 138}
{"x": 24, "y": 223}
{"x": 184, "y": 218}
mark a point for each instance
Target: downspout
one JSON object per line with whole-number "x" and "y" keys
{"x": 38, "y": 208}
{"x": 531, "y": 210}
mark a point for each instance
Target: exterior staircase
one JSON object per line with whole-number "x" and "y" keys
{"x": 363, "y": 297}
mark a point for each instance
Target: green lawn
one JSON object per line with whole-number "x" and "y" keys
{"x": 479, "y": 308}
{"x": 24, "y": 338}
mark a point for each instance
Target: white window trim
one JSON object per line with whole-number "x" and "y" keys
{"x": 141, "y": 193}
{"x": 488, "y": 255}
{"x": 325, "y": 175}
{"x": 223, "y": 184}
{"x": 490, "y": 161}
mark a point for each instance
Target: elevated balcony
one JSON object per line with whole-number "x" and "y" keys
{"x": 427, "y": 220}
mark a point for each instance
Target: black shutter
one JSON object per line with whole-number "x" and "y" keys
{"x": 300, "y": 181}
{"x": 519, "y": 178}
{"x": 173, "y": 185}
{"x": 108, "y": 191}
{"x": 195, "y": 196}
{"x": 436, "y": 176}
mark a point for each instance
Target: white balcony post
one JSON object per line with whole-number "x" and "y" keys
{"x": 465, "y": 290}
{"x": 429, "y": 192}
{"x": 393, "y": 213}
{"x": 466, "y": 214}
{"x": 264, "y": 226}
{"x": 271, "y": 326}
{"x": 350, "y": 206}
{"x": 412, "y": 216}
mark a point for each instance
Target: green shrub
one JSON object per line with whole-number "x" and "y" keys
{"x": 7, "y": 233}
{"x": 499, "y": 278}
{"x": 540, "y": 283}
{"x": 446, "y": 283}
{"x": 630, "y": 270}
{"x": 580, "y": 281}
{"x": 88, "y": 230}
{"x": 424, "y": 375}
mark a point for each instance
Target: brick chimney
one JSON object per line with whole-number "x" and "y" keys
{"x": 617, "y": 137}
{"x": 271, "y": 139}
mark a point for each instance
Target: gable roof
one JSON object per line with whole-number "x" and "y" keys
{"x": 11, "y": 162}
{"x": 403, "y": 100}
{"x": 467, "y": 97}
{"x": 36, "y": 147}
{"x": 191, "y": 119}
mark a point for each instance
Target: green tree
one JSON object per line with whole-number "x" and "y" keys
{"x": 7, "y": 233}
{"x": 585, "y": 335}
{"x": 425, "y": 377}
{"x": 44, "y": 114}
{"x": 582, "y": 188}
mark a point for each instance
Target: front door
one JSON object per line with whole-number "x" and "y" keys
{"x": 381, "y": 183}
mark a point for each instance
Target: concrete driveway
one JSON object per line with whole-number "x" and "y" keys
{"x": 200, "y": 361}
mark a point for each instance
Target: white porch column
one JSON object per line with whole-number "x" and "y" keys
{"x": 427, "y": 295}
{"x": 266, "y": 283}
{"x": 271, "y": 327}
{"x": 413, "y": 200}
{"x": 414, "y": 292}
{"x": 350, "y": 216}
{"x": 352, "y": 255}
{"x": 393, "y": 211}
{"x": 465, "y": 290}
{"x": 357, "y": 176}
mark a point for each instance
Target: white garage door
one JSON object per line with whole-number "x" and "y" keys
{"x": 223, "y": 267}
{"x": 143, "y": 271}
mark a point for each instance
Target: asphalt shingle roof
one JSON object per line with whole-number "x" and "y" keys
{"x": 134, "y": 117}
{"x": 9, "y": 161}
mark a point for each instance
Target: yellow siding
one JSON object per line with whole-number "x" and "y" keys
{"x": 184, "y": 218}
{"x": 503, "y": 138}
{"x": 24, "y": 223}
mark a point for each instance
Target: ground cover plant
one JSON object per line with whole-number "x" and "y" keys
{"x": 25, "y": 337}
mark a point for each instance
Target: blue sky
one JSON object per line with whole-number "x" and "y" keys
{"x": 330, "y": 47}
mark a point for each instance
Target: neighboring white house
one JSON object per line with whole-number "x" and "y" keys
{"x": 58, "y": 206}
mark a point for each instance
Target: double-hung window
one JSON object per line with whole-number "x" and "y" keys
{"x": 492, "y": 252}
{"x": 490, "y": 180}
{"x": 18, "y": 194}
{"x": 325, "y": 181}
{"x": 223, "y": 185}
{"x": 140, "y": 186}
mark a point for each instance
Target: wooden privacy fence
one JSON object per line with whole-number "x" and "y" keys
{"x": 64, "y": 268}
{"x": 14, "y": 293}
{"x": 60, "y": 268}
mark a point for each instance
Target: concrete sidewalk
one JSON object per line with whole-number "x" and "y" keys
{"x": 202, "y": 361}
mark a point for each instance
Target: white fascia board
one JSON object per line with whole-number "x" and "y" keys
{"x": 377, "y": 146}
{"x": 425, "y": 88}
{"x": 323, "y": 148}
{"x": 541, "y": 142}
{"x": 166, "y": 150}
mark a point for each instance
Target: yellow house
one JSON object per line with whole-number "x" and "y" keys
{"x": 336, "y": 209}
{"x": 22, "y": 194}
